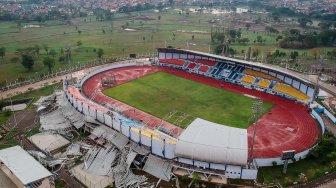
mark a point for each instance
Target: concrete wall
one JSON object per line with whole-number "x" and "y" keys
{"x": 319, "y": 120}
{"x": 260, "y": 162}
{"x": 5, "y": 181}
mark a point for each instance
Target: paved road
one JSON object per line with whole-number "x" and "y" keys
{"x": 331, "y": 184}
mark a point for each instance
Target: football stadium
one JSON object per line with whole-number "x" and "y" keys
{"x": 197, "y": 112}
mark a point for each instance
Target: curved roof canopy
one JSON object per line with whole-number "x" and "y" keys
{"x": 214, "y": 143}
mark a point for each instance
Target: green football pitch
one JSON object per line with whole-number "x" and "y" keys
{"x": 161, "y": 93}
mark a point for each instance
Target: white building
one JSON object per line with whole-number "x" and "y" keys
{"x": 21, "y": 170}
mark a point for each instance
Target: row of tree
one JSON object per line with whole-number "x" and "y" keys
{"x": 30, "y": 54}
{"x": 28, "y": 62}
{"x": 293, "y": 38}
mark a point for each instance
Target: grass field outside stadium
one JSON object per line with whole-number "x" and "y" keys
{"x": 161, "y": 93}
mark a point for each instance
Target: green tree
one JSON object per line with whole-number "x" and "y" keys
{"x": 61, "y": 51}
{"x": 232, "y": 52}
{"x": 19, "y": 25}
{"x": 27, "y": 62}
{"x": 3, "y": 53}
{"x": 243, "y": 40}
{"x": 248, "y": 26}
{"x": 46, "y": 48}
{"x": 256, "y": 52}
{"x": 276, "y": 17}
{"x": 332, "y": 54}
{"x": 79, "y": 43}
{"x": 100, "y": 53}
{"x": 15, "y": 60}
{"x": 68, "y": 54}
{"x": 53, "y": 53}
{"x": 303, "y": 22}
{"x": 232, "y": 33}
{"x": 293, "y": 55}
{"x": 171, "y": 2}
{"x": 325, "y": 149}
{"x": 279, "y": 37}
{"x": 37, "y": 49}
{"x": 196, "y": 179}
{"x": 259, "y": 39}
{"x": 49, "y": 62}
{"x": 220, "y": 49}
{"x": 271, "y": 29}
{"x": 248, "y": 56}
{"x": 324, "y": 25}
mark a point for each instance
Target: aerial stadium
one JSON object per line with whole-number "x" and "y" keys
{"x": 196, "y": 111}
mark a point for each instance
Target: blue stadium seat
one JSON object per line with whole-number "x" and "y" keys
{"x": 219, "y": 71}
{"x": 214, "y": 70}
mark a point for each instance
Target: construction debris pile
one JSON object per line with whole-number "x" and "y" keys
{"x": 57, "y": 114}
{"x": 107, "y": 154}
{"x": 114, "y": 163}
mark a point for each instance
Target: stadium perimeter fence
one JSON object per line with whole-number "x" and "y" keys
{"x": 70, "y": 69}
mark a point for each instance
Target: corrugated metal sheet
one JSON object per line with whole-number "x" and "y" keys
{"x": 158, "y": 168}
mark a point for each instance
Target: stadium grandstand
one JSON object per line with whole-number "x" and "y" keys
{"x": 291, "y": 91}
{"x": 244, "y": 72}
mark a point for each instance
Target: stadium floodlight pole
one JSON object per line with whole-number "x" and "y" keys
{"x": 257, "y": 108}
{"x": 319, "y": 74}
{"x": 11, "y": 108}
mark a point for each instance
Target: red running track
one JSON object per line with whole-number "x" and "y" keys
{"x": 288, "y": 126}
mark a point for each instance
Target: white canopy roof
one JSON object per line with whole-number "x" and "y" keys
{"x": 214, "y": 143}
{"x": 23, "y": 165}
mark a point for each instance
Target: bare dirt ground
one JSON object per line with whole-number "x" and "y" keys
{"x": 24, "y": 120}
